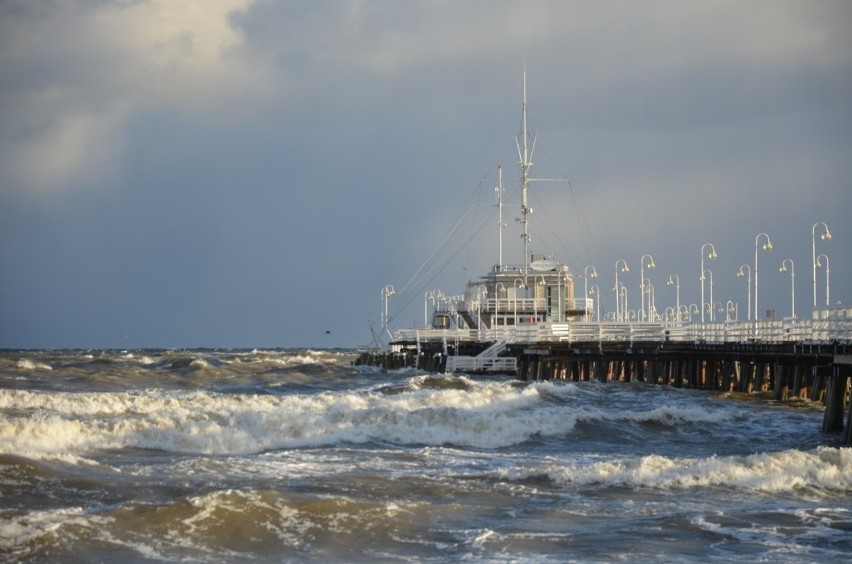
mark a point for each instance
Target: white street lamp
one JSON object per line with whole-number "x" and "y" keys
{"x": 717, "y": 306}
{"x": 674, "y": 280}
{"x": 586, "y": 277}
{"x": 827, "y": 275}
{"x": 710, "y": 303}
{"x": 711, "y": 255}
{"x": 618, "y": 308}
{"x": 767, "y": 246}
{"x": 481, "y": 291}
{"x": 740, "y": 274}
{"x": 429, "y": 295}
{"x": 792, "y": 284}
{"x": 543, "y": 285}
{"x": 597, "y": 293}
{"x": 642, "y": 283}
{"x": 652, "y": 303}
{"x": 825, "y": 236}
{"x": 497, "y": 303}
{"x": 517, "y": 287}
{"x": 386, "y": 292}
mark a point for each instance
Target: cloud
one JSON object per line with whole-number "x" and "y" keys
{"x": 193, "y": 152}
{"x": 75, "y": 72}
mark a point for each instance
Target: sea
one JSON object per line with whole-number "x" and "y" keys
{"x": 299, "y": 456}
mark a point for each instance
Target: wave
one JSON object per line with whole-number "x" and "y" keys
{"x": 822, "y": 470}
{"x": 269, "y": 524}
{"x": 27, "y": 364}
{"x": 424, "y": 410}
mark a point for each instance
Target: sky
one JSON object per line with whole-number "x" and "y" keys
{"x": 252, "y": 173}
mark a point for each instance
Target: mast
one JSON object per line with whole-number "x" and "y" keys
{"x": 525, "y": 155}
{"x": 500, "y": 224}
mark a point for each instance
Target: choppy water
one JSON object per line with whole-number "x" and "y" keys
{"x": 298, "y": 456}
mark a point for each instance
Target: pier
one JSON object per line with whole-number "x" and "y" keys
{"x": 790, "y": 360}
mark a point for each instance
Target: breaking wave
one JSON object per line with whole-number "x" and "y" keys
{"x": 424, "y": 410}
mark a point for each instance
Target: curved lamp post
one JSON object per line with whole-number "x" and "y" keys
{"x": 624, "y": 268}
{"x": 730, "y": 308}
{"x": 825, "y": 236}
{"x": 597, "y": 293}
{"x": 497, "y": 303}
{"x": 740, "y": 274}
{"x": 644, "y": 312}
{"x": 767, "y": 246}
{"x": 717, "y": 306}
{"x": 430, "y": 295}
{"x": 387, "y": 291}
{"x": 693, "y": 309}
{"x": 792, "y": 284}
{"x": 711, "y": 255}
{"x": 652, "y": 304}
{"x": 481, "y": 291}
{"x": 517, "y": 287}
{"x": 586, "y": 277}
{"x": 827, "y": 275}
{"x": 674, "y": 280}
{"x": 710, "y": 303}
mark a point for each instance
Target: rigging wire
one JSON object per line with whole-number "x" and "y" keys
{"x": 433, "y": 272}
{"x": 436, "y": 262}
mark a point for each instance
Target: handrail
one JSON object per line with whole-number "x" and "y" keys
{"x": 834, "y": 325}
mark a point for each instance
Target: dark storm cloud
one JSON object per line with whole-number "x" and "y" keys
{"x": 240, "y": 173}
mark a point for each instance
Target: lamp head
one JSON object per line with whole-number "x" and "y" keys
{"x": 826, "y": 235}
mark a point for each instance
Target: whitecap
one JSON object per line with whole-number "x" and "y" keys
{"x": 27, "y": 364}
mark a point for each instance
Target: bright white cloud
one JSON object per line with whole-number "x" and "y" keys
{"x": 74, "y": 72}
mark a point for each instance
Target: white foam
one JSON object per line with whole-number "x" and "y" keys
{"x": 476, "y": 414}
{"x": 487, "y": 416}
{"x": 822, "y": 470}
{"x": 27, "y": 364}
{"x": 17, "y": 532}
{"x": 806, "y": 535}
{"x": 144, "y": 359}
{"x": 287, "y": 359}
{"x": 199, "y": 364}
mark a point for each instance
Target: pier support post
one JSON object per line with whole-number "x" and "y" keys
{"x": 780, "y": 385}
{"x": 821, "y": 375}
{"x": 797, "y": 380}
{"x": 835, "y": 390}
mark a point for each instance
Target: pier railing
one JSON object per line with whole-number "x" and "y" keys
{"x": 827, "y": 326}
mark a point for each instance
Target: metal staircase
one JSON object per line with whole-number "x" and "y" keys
{"x": 488, "y": 361}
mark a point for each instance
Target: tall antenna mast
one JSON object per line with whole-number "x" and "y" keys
{"x": 500, "y": 224}
{"x": 525, "y": 155}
